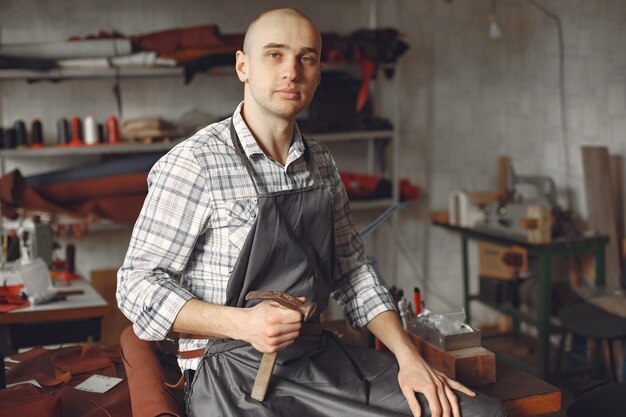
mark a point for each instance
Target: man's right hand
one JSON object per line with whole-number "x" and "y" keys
{"x": 270, "y": 327}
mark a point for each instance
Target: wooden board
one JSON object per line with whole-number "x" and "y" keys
{"x": 601, "y": 206}
{"x": 524, "y": 395}
{"x": 471, "y": 366}
{"x": 105, "y": 282}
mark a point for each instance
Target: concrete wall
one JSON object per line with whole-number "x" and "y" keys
{"x": 460, "y": 97}
{"x": 473, "y": 98}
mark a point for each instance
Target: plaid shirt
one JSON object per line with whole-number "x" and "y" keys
{"x": 198, "y": 212}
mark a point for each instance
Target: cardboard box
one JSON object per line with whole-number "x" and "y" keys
{"x": 501, "y": 262}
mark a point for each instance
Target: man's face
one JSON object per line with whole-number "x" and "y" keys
{"x": 281, "y": 68}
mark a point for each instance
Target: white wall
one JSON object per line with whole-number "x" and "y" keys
{"x": 471, "y": 99}
{"x": 463, "y": 99}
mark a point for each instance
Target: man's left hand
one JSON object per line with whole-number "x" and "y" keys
{"x": 416, "y": 375}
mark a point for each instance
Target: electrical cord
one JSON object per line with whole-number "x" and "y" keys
{"x": 410, "y": 258}
{"x": 117, "y": 90}
{"x": 564, "y": 129}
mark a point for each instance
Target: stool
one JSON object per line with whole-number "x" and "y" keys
{"x": 586, "y": 320}
{"x": 606, "y": 401}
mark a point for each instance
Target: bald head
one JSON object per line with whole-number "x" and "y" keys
{"x": 270, "y": 17}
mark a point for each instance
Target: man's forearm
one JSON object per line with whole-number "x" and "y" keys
{"x": 388, "y": 329}
{"x": 268, "y": 326}
{"x": 211, "y": 320}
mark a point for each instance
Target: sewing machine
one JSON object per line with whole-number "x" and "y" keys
{"x": 526, "y": 209}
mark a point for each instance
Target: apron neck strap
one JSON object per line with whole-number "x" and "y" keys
{"x": 234, "y": 138}
{"x": 312, "y": 166}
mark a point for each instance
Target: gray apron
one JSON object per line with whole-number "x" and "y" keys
{"x": 291, "y": 247}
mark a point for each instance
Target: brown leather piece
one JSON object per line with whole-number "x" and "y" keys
{"x": 125, "y": 208}
{"x": 39, "y": 364}
{"x": 191, "y": 354}
{"x": 10, "y": 298}
{"x": 171, "y": 40}
{"x": 29, "y": 400}
{"x": 146, "y": 379}
{"x": 86, "y": 359}
{"x": 80, "y": 190}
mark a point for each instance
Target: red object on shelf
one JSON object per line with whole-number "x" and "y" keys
{"x": 417, "y": 300}
{"x": 408, "y": 191}
{"x": 113, "y": 130}
{"x": 77, "y": 131}
{"x": 10, "y": 298}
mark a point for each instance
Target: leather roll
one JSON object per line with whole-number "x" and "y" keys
{"x": 149, "y": 396}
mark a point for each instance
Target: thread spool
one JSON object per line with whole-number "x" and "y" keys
{"x": 77, "y": 132}
{"x": 101, "y": 133}
{"x": 10, "y": 139}
{"x": 417, "y": 299}
{"x": 63, "y": 131}
{"x": 90, "y": 131}
{"x": 70, "y": 257}
{"x": 113, "y": 130}
{"x": 36, "y": 134}
{"x": 21, "y": 136}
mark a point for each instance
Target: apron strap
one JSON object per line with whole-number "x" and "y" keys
{"x": 234, "y": 138}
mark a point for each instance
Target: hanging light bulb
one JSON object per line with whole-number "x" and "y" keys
{"x": 494, "y": 28}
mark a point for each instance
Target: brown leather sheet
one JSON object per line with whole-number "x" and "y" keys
{"x": 171, "y": 40}
{"x": 146, "y": 379}
{"x": 59, "y": 371}
{"x": 118, "y": 198}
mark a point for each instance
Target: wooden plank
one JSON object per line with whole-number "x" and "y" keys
{"x": 523, "y": 394}
{"x": 471, "y": 366}
{"x": 617, "y": 175}
{"x": 503, "y": 175}
{"x": 43, "y": 316}
{"x": 105, "y": 282}
{"x": 599, "y": 191}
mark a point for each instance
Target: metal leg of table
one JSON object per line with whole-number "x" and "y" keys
{"x": 465, "y": 260}
{"x": 544, "y": 307}
{"x": 599, "y": 257}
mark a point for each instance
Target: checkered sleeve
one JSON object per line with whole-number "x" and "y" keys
{"x": 174, "y": 215}
{"x": 357, "y": 286}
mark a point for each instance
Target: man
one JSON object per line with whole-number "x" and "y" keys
{"x": 247, "y": 204}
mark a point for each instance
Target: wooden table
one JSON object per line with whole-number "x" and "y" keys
{"x": 523, "y": 394}
{"x": 75, "y": 319}
{"x": 544, "y": 252}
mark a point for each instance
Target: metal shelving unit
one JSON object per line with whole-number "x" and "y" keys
{"x": 129, "y": 148}
{"x": 129, "y": 72}
{"x": 368, "y": 138}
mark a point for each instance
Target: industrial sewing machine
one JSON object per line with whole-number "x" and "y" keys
{"x": 527, "y": 207}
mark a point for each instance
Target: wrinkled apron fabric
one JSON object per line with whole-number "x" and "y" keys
{"x": 291, "y": 248}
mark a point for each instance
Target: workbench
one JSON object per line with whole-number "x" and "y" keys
{"x": 593, "y": 244}
{"x": 75, "y": 319}
{"x": 523, "y": 394}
